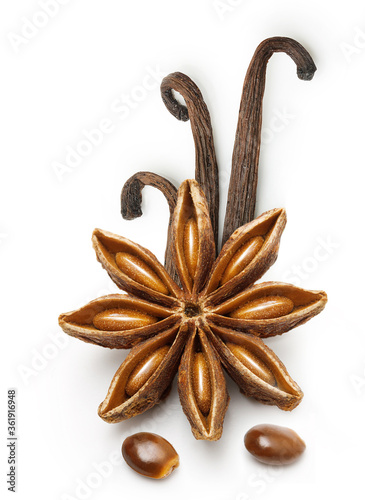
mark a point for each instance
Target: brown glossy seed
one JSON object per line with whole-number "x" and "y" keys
{"x": 253, "y": 363}
{"x": 273, "y": 306}
{"x": 113, "y": 320}
{"x": 145, "y": 369}
{"x": 191, "y": 245}
{"x": 242, "y": 258}
{"x": 150, "y": 455}
{"x": 274, "y": 445}
{"x": 139, "y": 271}
{"x": 201, "y": 383}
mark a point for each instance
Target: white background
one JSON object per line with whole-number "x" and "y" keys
{"x": 66, "y": 77}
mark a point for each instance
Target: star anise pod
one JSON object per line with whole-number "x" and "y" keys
{"x": 212, "y": 316}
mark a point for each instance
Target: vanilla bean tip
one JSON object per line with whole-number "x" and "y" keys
{"x": 131, "y": 200}
{"x": 306, "y": 73}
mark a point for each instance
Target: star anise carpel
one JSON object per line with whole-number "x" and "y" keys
{"x": 200, "y": 315}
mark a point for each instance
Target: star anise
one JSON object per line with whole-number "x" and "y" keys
{"x": 210, "y": 315}
{"x": 216, "y": 319}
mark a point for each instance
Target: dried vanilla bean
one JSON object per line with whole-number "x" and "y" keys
{"x": 206, "y": 168}
{"x": 243, "y": 183}
{"x": 131, "y": 201}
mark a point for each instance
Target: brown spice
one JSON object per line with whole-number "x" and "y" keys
{"x": 245, "y": 160}
{"x": 150, "y": 455}
{"x": 273, "y": 444}
{"x": 200, "y": 327}
{"x": 206, "y": 313}
{"x": 206, "y": 168}
{"x": 131, "y": 201}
